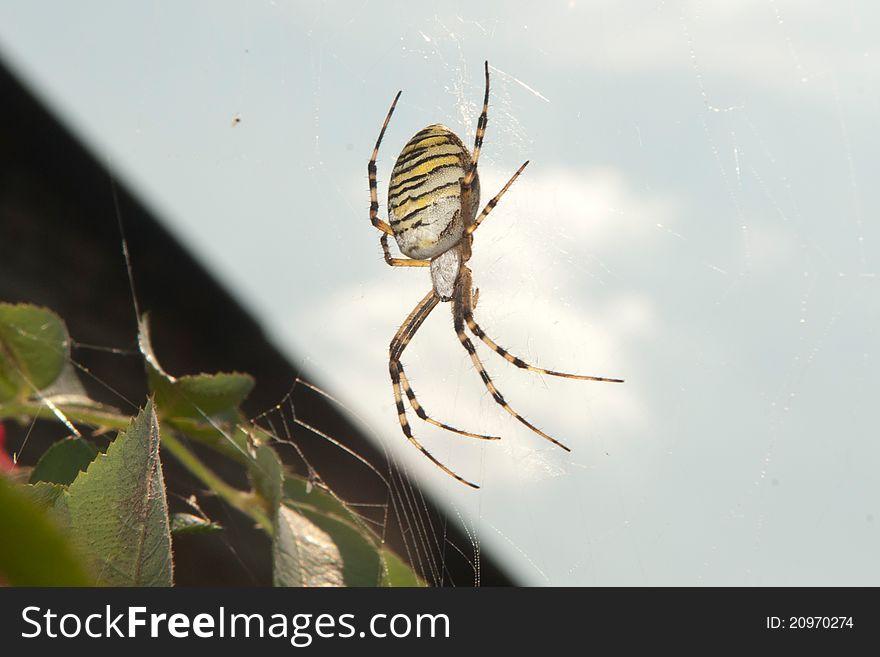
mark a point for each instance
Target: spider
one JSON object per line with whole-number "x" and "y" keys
{"x": 433, "y": 196}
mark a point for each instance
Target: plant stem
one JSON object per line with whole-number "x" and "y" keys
{"x": 244, "y": 501}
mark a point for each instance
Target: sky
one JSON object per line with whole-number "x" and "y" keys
{"x": 696, "y": 219}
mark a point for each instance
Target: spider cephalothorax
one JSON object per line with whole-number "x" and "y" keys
{"x": 433, "y": 196}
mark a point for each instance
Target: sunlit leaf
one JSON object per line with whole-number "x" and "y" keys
{"x": 366, "y": 562}
{"x": 361, "y": 565}
{"x": 117, "y": 511}
{"x": 185, "y": 524}
{"x": 304, "y": 554}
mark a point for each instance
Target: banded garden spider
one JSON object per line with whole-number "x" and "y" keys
{"x": 433, "y": 198}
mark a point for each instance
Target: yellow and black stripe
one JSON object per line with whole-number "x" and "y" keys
{"x": 430, "y": 168}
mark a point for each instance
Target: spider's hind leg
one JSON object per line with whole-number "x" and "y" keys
{"x": 461, "y": 306}
{"x": 496, "y": 395}
{"x": 417, "y": 407}
{"x": 516, "y": 360}
{"x": 407, "y": 431}
{"x": 398, "y": 343}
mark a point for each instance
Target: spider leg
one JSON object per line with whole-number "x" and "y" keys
{"x": 481, "y": 132}
{"x": 411, "y": 324}
{"x": 400, "y": 262}
{"x": 460, "y": 305}
{"x": 404, "y": 424}
{"x": 371, "y": 173}
{"x": 417, "y": 407}
{"x": 510, "y": 358}
{"x": 491, "y": 204}
{"x": 398, "y": 343}
{"x": 374, "y": 202}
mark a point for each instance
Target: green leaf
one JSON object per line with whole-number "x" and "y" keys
{"x": 183, "y": 524}
{"x": 117, "y": 510}
{"x": 229, "y": 441}
{"x": 33, "y": 550}
{"x": 204, "y": 395}
{"x": 300, "y": 490}
{"x": 361, "y": 565}
{"x": 366, "y": 562}
{"x": 303, "y": 554}
{"x": 63, "y": 461}
{"x": 266, "y": 474}
{"x": 34, "y": 346}
{"x": 198, "y": 396}
{"x": 397, "y": 573}
{"x": 44, "y": 493}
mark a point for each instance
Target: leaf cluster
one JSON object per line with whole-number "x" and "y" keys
{"x": 93, "y": 517}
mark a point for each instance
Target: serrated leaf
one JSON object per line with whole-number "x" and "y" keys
{"x": 203, "y": 395}
{"x": 303, "y": 554}
{"x": 63, "y": 461}
{"x": 44, "y": 493}
{"x": 198, "y": 396}
{"x": 34, "y": 346}
{"x": 34, "y": 550}
{"x": 183, "y": 524}
{"x": 117, "y": 511}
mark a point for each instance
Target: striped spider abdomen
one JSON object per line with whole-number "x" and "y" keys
{"x": 427, "y": 207}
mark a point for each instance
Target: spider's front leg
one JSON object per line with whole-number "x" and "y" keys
{"x": 371, "y": 175}
{"x": 481, "y": 133}
{"x": 374, "y": 202}
{"x": 491, "y": 204}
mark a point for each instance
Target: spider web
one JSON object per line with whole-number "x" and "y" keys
{"x": 695, "y": 219}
